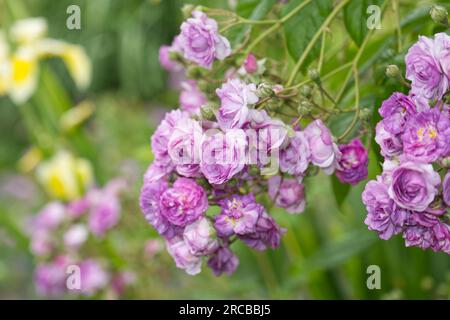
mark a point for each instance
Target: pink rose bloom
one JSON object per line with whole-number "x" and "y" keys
{"x": 93, "y": 277}
{"x": 184, "y": 203}
{"x": 201, "y": 42}
{"x": 294, "y": 159}
{"x": 191, "y": 98}
{"x": 235, "y": 96}
{"x": 183, "y": 257}
{"x": 414, "y": 185}
{"x": 424, "y": 66}
{"x": 223, "y": 155}
{"x": 250, "y": 64}
{"x": 324, "y": 152}
{"x": 288, "y": 194}
{"x": 200, "y": 237}
{"x": 160, "y": 138}
{"x": 184, "y": 147}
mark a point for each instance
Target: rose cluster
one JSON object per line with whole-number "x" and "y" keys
{"x": 58, "y": 233}
{"x": 229, "y": 157}
{"x": 412, "y": 195}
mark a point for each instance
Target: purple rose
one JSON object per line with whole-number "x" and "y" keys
{"x": 93, "y": 277}
{"x": 200, "y": 40}
{"x": 184, "y": 147}
{"x": 184, "y": 203}
{"x": 267, "y": 234}
{"x": 324, "y": 152}
{"x": 390, "y": 144}
{"x": 157, "y": 170}
{"x": 383, "y": 215}
{"x": 223, "y": 261}
{"x": 200, "y": 237}
{"x": 160, "y": 138}
{"x": 287, "y": 193}
{"x": 105, "y": 210}
{"x": 239, "y": 215}
{"x": 442, "y": 43}
{"x": 235, "y": 96}
{"x": 414, "y": 185}
{"x": 191, "y": 98}
{"x": 353, "y": 163}
{"x": 424, "y": 69}
{"x": 396, "y": 110}
{"x": 150, "y": 205}
{"x": 50, "y": 278}
{"x": 427, "y": 136}
{"x": 183, "y": 257}
{"x": 223, "y": 155}
{"x": 294, "y": 159}
{"x": 446, "y": 188}
{"x": 436, "y": 237}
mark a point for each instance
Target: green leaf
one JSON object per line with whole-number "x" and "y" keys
{"x": 300, "y": 29}
{"x": 340, "y": 190}
{"x": 253, "y": 10}
{"x": 355, "y": 18}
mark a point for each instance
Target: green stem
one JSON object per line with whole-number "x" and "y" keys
{"x": 316, "y": 36}
{"x": 355, "y": 117}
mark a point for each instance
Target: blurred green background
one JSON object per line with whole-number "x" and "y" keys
{"x": 327, "y": 249}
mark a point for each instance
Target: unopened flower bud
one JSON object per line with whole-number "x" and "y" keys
{"x": 208, "y": 110}
{"x": 439, "y": 14}
{"x": 187, "y": 10}
{"x": 392, "y": 71}
{"x": 264, "y": 90}
{"x": 314, "y": 75}
{"x": 365, "y": 114}
{"x": 304, "y": 108}
{"x": 445, "y": 162}
{"x": 306, "y": 91}
{"x": 250, "y": 63}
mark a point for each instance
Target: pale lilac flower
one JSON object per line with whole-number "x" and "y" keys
{"x": 184, "y": 147}
{"x": 239, "y": 215}
{"x": 414, "y": 185}
{"x": 93, "y": 277}
{"x": 164, "y": 56}
{"x": 104, "y": 212}
{"x": 267, "y": 234}
{"x": 324, "y": 152}
{"x": 191, "y": 98}
{"x": 288, "y": 194}
{"x": 294, "y": 159}
{"x": 391, "y": 144}
{"x": 160, "y": 138}
{"x": 41, "y": 242}
{"x": 427, "y": 136}
{"x": 183, "y": 257}
{"x": 184, "y": 203}
{"x": 223, "y": 261}
{"x": 383, "y": 215}
{"x": 75, "y": 236}
{"x": 50, "y": 216}
{"x": 353, "y": 163}
{"x": 396, "y": 110}
{"x": 152, "y": 247}
{"x": 424, "y": 68}
{"x": 50, "y": 278}
{"x": 235, "y": 96}
{"x": 201, "y": 42}
{"x": 223, "y": 155}
{"x": 200, "y": 237}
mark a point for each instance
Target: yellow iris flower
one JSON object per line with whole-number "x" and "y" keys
{"x": 19, "y": 70}
{"x": 64, "y": 176}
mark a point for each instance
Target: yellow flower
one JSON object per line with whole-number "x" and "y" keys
{"x": 64, "y": 176}
{"x": 19, "y": 71}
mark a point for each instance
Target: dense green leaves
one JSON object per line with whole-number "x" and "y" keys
{"x": 355, "y": 18}
{"x": 302, "y": 26}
